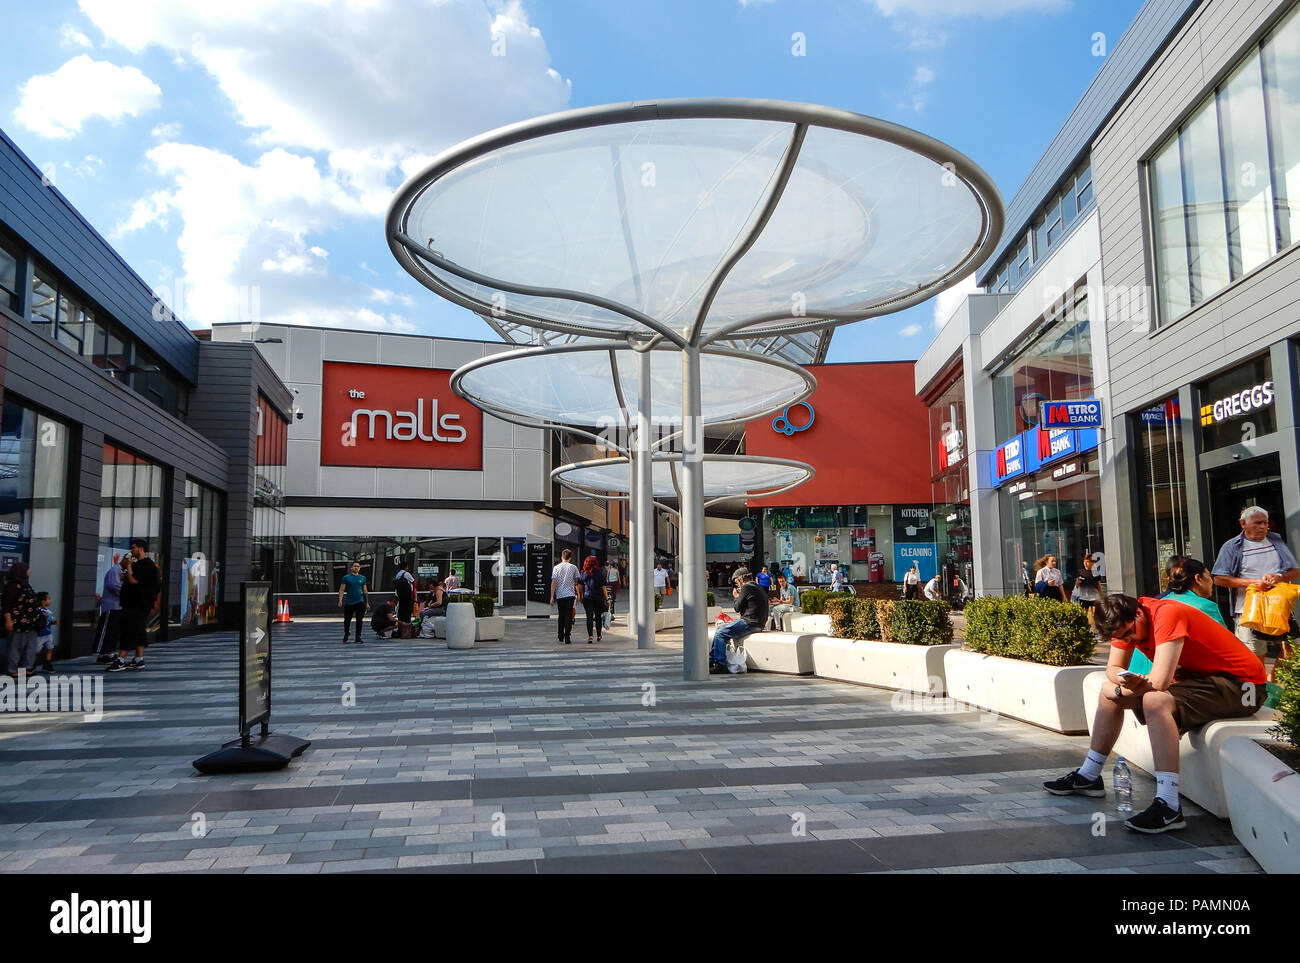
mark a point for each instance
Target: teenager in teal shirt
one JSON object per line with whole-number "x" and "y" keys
{"x": 354, "y": 599}
{"x": 1191, "y": 583}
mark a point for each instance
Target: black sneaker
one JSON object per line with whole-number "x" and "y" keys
{"x": 1156, "y": 818}
{"x": 105, "y": 660}
{"x": 1075, "y": 785}
{"x": 136, "y": 664}
{"x": 716, "y": 669}
{"x": 118, "y": 665}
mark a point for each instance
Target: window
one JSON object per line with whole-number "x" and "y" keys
{"x": 200, "y": 593}
{"x": 1003, "y": 284}
{"x": 1220, "y": 184}
{"x": 1083, "y": 187}
{"x": 1162, "y": 491}
{"x": 8, "y": 280}
{"x": 1054, "y": 366}
{"x": 1040, "y": 238}
{"x": 1069, "y": 205}
{"x": 1024, "y": 258}
{"x": 1281, "y": 63}
{"x": 45, "y": 303}
{"x": 1053, "y": 223}
{"x": 130, "y": 506}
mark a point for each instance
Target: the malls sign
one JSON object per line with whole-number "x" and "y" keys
{"x": 391, "y": 416}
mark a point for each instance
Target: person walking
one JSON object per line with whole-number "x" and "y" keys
{"x": 1087, "y": 586}
{"x": 912, "y": 582}
{"x": 661, "y": 579}
{"x": 45, "y": 635}
{"x": 1256, "y": 557}
{"x": 22, "y": 617}
{"x": 140, "y": 591}
{"x": 354, "y": 599}
{"x": 838, "y": 579}
{"x": 594, "y": 597}
{"x": 452, "y": 581}
{"x": 611, "y": 586}
{"x": 108, "y": 630}
{"x": 564, "y": 579}
{"x": 1049, "y": 583}
{"x": 404, "y": 589}
{"x": 764, "y": 579}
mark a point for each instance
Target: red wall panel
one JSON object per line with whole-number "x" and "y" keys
{"x": 868, "y": 441}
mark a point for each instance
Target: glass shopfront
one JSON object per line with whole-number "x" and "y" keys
{"x": 1056, "y": 511}
{"x": 1054, "y": 364}
{"x": 863, "y": 539}
{"x": 950, "y": 480}
{"x": 1163, "y": 522}
{"x": 200, "y": 592}
{"x": 131, "y": 506}
{"x": 33, "y": 499}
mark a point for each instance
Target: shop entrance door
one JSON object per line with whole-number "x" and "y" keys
{"x": 490, "y": 568}
{"x": 1232, "y": 488}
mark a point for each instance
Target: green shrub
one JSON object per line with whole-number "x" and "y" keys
{"x": 1030, "y": 629}
{"x": 484, "y": 605}
{"x": 853, "y": 618}
{"x": 710, "y": 603}
{"x": 915, "y": 622}
{"x": 659, "y": 600}
{"x": 813, "y": 601}
{"x": 1286, "y": 674}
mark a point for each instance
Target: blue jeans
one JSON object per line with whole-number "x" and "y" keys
{"x": 731, "y": 632}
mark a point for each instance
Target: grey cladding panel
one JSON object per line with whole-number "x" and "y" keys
{"x": 44, "y": 220}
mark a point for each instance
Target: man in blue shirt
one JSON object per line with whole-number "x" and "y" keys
{"x": 110, "y": 613}
{"x": 354, "y": 599}
{"x": 1256, "y": 557}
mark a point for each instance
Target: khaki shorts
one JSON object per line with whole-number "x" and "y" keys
{"x": 1199, "y": 699}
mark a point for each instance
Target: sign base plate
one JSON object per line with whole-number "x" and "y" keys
{"x": 262, "y": 754}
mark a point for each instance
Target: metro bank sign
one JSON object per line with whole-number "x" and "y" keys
{"x": 392, "y": 416}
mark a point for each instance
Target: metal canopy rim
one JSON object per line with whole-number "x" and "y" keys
{"x": 422, "y": 262}
{"x": 801, "y": 386}
{"x": 594, "y": 468}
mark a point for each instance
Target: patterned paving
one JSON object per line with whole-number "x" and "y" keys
{"x": 525, "y": 756}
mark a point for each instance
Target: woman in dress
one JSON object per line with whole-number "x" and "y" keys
{"x": 1087, "y": 587}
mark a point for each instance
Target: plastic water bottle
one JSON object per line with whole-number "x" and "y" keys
{"x": 1123, "y": 783}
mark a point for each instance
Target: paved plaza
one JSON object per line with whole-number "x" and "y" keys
{"x": 527, "y": 756}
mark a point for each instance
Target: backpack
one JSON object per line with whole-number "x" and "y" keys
{"x": 26, "y": 613}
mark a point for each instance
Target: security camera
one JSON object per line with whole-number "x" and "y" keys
{"x": 298, "y": 413}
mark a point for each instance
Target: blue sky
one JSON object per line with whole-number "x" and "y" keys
{"x": 241, "y": 155}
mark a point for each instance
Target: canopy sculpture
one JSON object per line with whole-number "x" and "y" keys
{"x": 725, "y": 476}
{"x": 685, "y": 222}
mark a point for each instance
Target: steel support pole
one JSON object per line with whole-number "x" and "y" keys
{"x": 642, "y": 496}
{"x": 695, "y": 632}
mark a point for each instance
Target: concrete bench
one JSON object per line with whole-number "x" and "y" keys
{"x": 486, "y": 629}
{"x": 888, "y": 665}
{"x": 1200, "y": 771}
{"x": 787, "y": 652}
{"x": 800, "y": 622}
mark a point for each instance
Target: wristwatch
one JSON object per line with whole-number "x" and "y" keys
{"x": 1119, "y": 692}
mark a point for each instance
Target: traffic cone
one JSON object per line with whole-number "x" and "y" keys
{"x": 282, "y": 612}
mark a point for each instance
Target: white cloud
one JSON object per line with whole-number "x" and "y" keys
{"x": 88, "y": 168}
{"x": 964, "y": 8}
{"x": 910, "y": 330}
{"x": 946, "y": 302}
{"x": 389, "y": 297}
{"x": 346, "y": 99}
{"x": 70, "y": 36}
{"x": 918, "y": 94}
{"x": 169, "y": 131}
{"x": 57, "y": 104}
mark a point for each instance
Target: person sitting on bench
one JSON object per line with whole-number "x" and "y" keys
{"x": 1200, "y": 672}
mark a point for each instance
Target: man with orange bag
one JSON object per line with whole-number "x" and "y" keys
{"x": 1256, "y": 557}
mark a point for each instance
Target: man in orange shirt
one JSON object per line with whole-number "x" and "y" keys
{"x": 1199, "y": 672}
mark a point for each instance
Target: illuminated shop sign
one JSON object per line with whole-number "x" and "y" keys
{"x": 1009, "y": 459}
{"x": 1237, "y": 404}
{"x": 1072, "y": 414}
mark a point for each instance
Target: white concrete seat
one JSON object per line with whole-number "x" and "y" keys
{"x": 787, "y": 652}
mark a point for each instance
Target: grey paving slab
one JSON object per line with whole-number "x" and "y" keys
{"x": 586, "y": 777}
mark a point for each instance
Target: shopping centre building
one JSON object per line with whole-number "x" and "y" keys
{"x": 1149, "y": 264}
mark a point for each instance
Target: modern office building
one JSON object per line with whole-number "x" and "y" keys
{"x": 119, "y": 423}
{"x": 1149, "y": 263}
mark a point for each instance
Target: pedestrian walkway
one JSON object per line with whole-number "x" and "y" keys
{"x": 527, "y": 756}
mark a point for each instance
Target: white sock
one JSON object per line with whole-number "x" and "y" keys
{"x": 1167, "y": 788}
{"x": 1091, "y": 767}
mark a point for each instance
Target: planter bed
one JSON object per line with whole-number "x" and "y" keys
{"x": 887, "y": 665}
{"x": 790, "y": 653}
{"x": 1265, "y": 814}
{"x": 485, "y": 629}
{"x": 1046, "y": 695}
{"x": 1200, "y": 770}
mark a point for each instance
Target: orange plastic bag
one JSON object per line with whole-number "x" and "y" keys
{"x": 1269, "y": 611}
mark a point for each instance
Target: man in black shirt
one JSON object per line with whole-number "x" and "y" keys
{"x": 751, "y": 606}
{"x": 404, "y": 589}
{"x": 140, "y": 585}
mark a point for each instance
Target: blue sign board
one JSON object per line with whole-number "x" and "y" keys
{"x": 924, "y": 554}
{"x": 1038, "y": 447}
{"x": 1008, "y": 459}
{"x": 1072, "y": 414}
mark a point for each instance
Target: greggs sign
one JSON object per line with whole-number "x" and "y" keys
{"x": 391, "y": 416}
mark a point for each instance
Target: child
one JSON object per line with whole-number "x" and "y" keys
{"x": 45, "y": 637}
